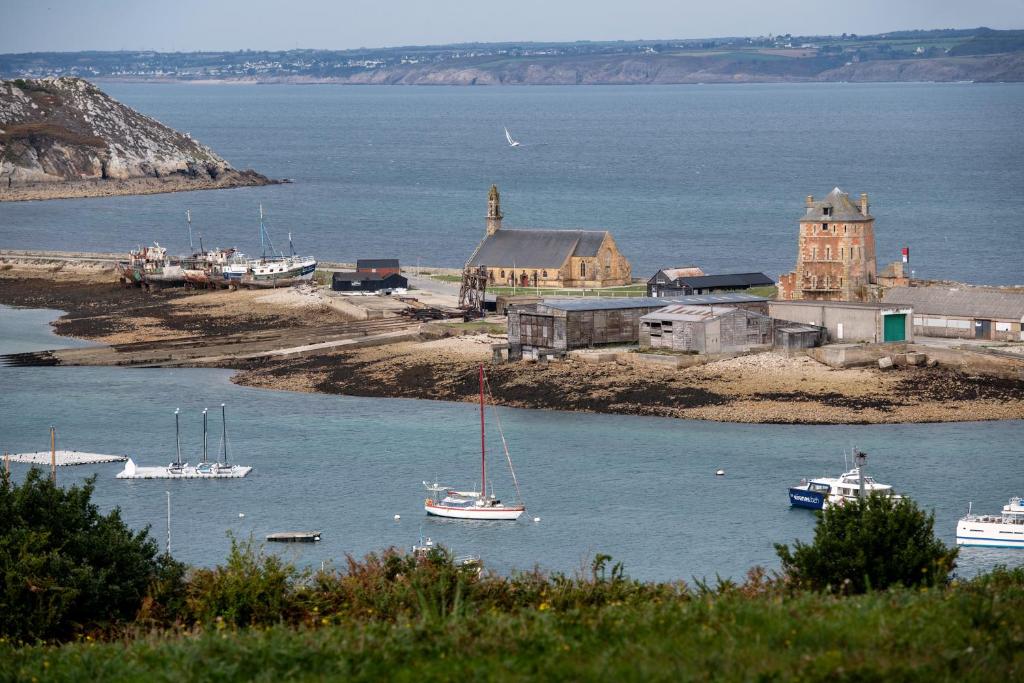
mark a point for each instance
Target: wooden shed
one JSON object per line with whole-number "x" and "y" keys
{"x": 705, "y": 329}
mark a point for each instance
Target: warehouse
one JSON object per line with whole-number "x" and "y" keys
{"x": 705, "y": 329}
{"x": 848, "y": 321}
{"x": 962, "y": 312}
{"x": 663, "y": 286}
{"x": 368, "y": 283}
{"x": 564, "y": 324}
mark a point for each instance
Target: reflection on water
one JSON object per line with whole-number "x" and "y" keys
{"x": 641, "y": 489}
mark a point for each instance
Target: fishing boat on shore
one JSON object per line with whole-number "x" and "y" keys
{"x": 179, "y": 469}
{"x": 1004, "y": 530}
{"x": 822, "y": 492}
{"x": 445, "y": 501}
{"x": 151, "y": 266}
{"x": 275, "y": 270}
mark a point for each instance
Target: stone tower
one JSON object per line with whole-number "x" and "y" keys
{"x": 835, "y": 259}
{"x": 493, "y": 211}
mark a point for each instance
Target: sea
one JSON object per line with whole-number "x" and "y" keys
{"x": 706, "y": 175}
{"x": 643, "y": 490}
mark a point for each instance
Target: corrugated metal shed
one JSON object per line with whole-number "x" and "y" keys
{"x": 965, "y": 302}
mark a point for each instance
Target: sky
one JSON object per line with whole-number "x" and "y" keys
{"x": 188, "y": 25}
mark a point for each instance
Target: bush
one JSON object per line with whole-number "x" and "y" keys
{"x": 251, "y": 589}
{"x": 870, "y": 543}
{"x": 66, "y": 568}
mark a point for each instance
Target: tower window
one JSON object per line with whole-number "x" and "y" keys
{"x": 824, "y": 227}
{"x": 827, "y": 210}
{"x": 828, "y": 253}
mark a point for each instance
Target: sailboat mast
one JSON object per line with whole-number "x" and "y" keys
{"x": 483, "y": 440}
{"x": 263, "y": 244}
{"x": 224, "y": 427}
{"x": 177, "y": 437}
{"x": 204, "y": 436}
{"x": 188, "y": 219}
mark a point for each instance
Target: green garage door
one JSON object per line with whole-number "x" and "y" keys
{"x": 895, "y": 326}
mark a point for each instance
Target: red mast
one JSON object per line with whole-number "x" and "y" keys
{"x": 483, "y": 441}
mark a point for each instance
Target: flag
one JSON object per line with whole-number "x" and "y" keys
{"x": 906, "y": 254}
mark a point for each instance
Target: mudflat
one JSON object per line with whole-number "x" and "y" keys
{"x": 439, "y": 362}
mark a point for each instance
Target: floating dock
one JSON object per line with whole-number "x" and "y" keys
{"x": 294, "y": 536}
{"x": 64, "y": 458}
{"x": 133, "y": 471}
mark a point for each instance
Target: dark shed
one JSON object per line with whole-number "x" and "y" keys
{"x": 367, "y": 282}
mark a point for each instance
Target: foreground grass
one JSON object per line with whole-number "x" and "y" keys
{"x": 970, "y": 631}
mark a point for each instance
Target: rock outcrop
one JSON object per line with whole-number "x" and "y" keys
{"x": 66, "y": 132}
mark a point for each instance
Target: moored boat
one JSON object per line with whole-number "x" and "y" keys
{"x": 821, "y": 492}
{"x": 479, "y": 505}
{"x": 1004, "y": 530}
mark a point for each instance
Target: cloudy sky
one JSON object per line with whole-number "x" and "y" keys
{"x": 184, "y": 25}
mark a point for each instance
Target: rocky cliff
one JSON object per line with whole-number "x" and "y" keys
{"x": 66, "y": 132}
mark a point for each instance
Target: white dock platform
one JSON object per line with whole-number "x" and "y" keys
{"x": 64, "y": 458}
{"x": 133, "y": 471}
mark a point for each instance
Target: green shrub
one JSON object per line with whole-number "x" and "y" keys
{"x": 65, "y": 567}
{"x": 870, "y": 543}
{"x": 252, "y": 589}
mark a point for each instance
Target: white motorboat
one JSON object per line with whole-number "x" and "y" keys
{"x": 1004, "y": 530}
{"x": 422, "y": 550}
{"x": 511, "y": 142}
{"x": 445, "y": 501}
{"x": 822, "y": 492}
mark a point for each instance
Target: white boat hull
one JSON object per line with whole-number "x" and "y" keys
{"x": 486, "y": 513}
{"x": 989, "y": 534}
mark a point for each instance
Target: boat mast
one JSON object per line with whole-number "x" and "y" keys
{"x": 483, "y": 440}
{"x": 291, "y": 247}
{"x": 204, "y": 435}
{"x": 224, "y": 426}
{"x": 188, "y": 219}
{"x": 177, "y": 437}
{"x": 168, "y": 523}
{"x": 263, "y": 244}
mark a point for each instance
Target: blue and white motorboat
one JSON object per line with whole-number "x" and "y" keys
{"x": 822, "y": 492}
{"x": 1005, "y": 530}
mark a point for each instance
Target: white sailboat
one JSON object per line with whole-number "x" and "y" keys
{"x": 445, "y": 501}
{"x": 511, "y": 142}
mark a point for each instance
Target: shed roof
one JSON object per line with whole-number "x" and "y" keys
{"x": 831, "y": 304}
{"x": 673, "y": 273}
{"x": 536, "y": 248}
{"x": 602, "y": 304}
{"x": 720, "y": 298}
{"x": 728, "y": 280}
{"x": 376, "y": 263}
{"x": 843, "y": 209}
{"x": 967, "y": 302}
{"x": 689, "y": 313}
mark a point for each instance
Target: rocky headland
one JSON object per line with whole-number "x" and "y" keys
{"x": 64, "y": 137}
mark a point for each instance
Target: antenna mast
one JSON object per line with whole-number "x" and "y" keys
{"x": 483, "y": 440}
{"x": 177, "y": 437}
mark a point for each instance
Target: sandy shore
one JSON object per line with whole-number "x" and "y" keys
{"x": 131, "y": 186}
{"x": 764, "y": 388}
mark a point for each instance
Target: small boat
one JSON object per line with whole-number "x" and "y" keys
{"x": 822, "y": 492}
{"x": 425, "y": 546}
{"x": 1005, "y": 530}
{"x": 475, "y": 504}
{"x": 511, "y": 142}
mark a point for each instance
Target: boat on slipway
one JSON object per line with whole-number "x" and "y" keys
{"x": 270, "y": 271}
{"x": 822, "y": 492}
{"x": 1004, "y": 530}
{"x": 179, "y": 469}
{"x": 445, "y": 501}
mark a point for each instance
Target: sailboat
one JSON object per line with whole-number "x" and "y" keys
{"x": 475, "y": 504}
{"x": 511, "y": 142}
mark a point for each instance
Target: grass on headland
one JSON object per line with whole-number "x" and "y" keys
{"x": 969, "y": 631}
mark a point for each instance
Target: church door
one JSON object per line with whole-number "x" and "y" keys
{"x": 524, "y": 280}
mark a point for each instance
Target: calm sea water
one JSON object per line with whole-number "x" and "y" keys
{"x": 640, "y": 489}
{"x": 711, "y": 175}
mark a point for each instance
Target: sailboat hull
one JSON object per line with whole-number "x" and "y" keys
{"x": 510, "y": 513}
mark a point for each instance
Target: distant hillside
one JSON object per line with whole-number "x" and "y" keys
{"x": 978, "y": 54}
{"x": 66, "y": 137}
